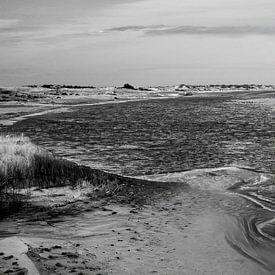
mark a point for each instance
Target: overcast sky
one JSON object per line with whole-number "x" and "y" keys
{"x": 143, "y": 42}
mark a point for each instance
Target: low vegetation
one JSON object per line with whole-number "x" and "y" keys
{"x": 19, "y": 162}
{"x": 24, "y": 165}
{"x": 7, "y": 95}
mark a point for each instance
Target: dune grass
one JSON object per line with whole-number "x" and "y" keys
{"x": 17, "y": 168}
{"x": 24, "y": 165}
{"x": 16, "y": 159}
{"x": 20, "y": 161}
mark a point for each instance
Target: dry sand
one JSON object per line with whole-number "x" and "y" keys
{"x": 181, "y": 231}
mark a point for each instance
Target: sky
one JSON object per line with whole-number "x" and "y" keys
{"x": 142, "y": 42}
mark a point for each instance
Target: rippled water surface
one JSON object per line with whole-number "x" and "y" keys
{"x": 161, "y": 135}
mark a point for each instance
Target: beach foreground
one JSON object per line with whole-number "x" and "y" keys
{"x": 179, "y": 230}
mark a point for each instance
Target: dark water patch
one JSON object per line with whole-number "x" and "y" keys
{"x": 158, "y": 136}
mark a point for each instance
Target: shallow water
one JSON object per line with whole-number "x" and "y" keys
{"x": 159, "y": 136}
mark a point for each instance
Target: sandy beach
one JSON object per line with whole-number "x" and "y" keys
{"x": 164, "y": 235}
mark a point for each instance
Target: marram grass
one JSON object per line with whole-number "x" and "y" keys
{"x": 18, "y": 161}
{"x": 24, "y": 165}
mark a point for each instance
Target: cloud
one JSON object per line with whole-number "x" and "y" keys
{"x": 15, "y": 26}
{"x": 7, "y": 23}
{"x": 136, "y": 28}
{"x": 216, "y": 31}
{"x": 155, "y": 30}
{"x": 14, "y": 32}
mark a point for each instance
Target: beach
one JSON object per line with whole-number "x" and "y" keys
{"x": 156, "y": 220}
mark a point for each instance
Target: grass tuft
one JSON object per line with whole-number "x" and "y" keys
{"x": 17, "y": 161}
{"x": 24, "y": 165}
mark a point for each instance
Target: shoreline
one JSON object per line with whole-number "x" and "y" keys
{"x": 63, "y": 107}
{"x": 60, "y": 108}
